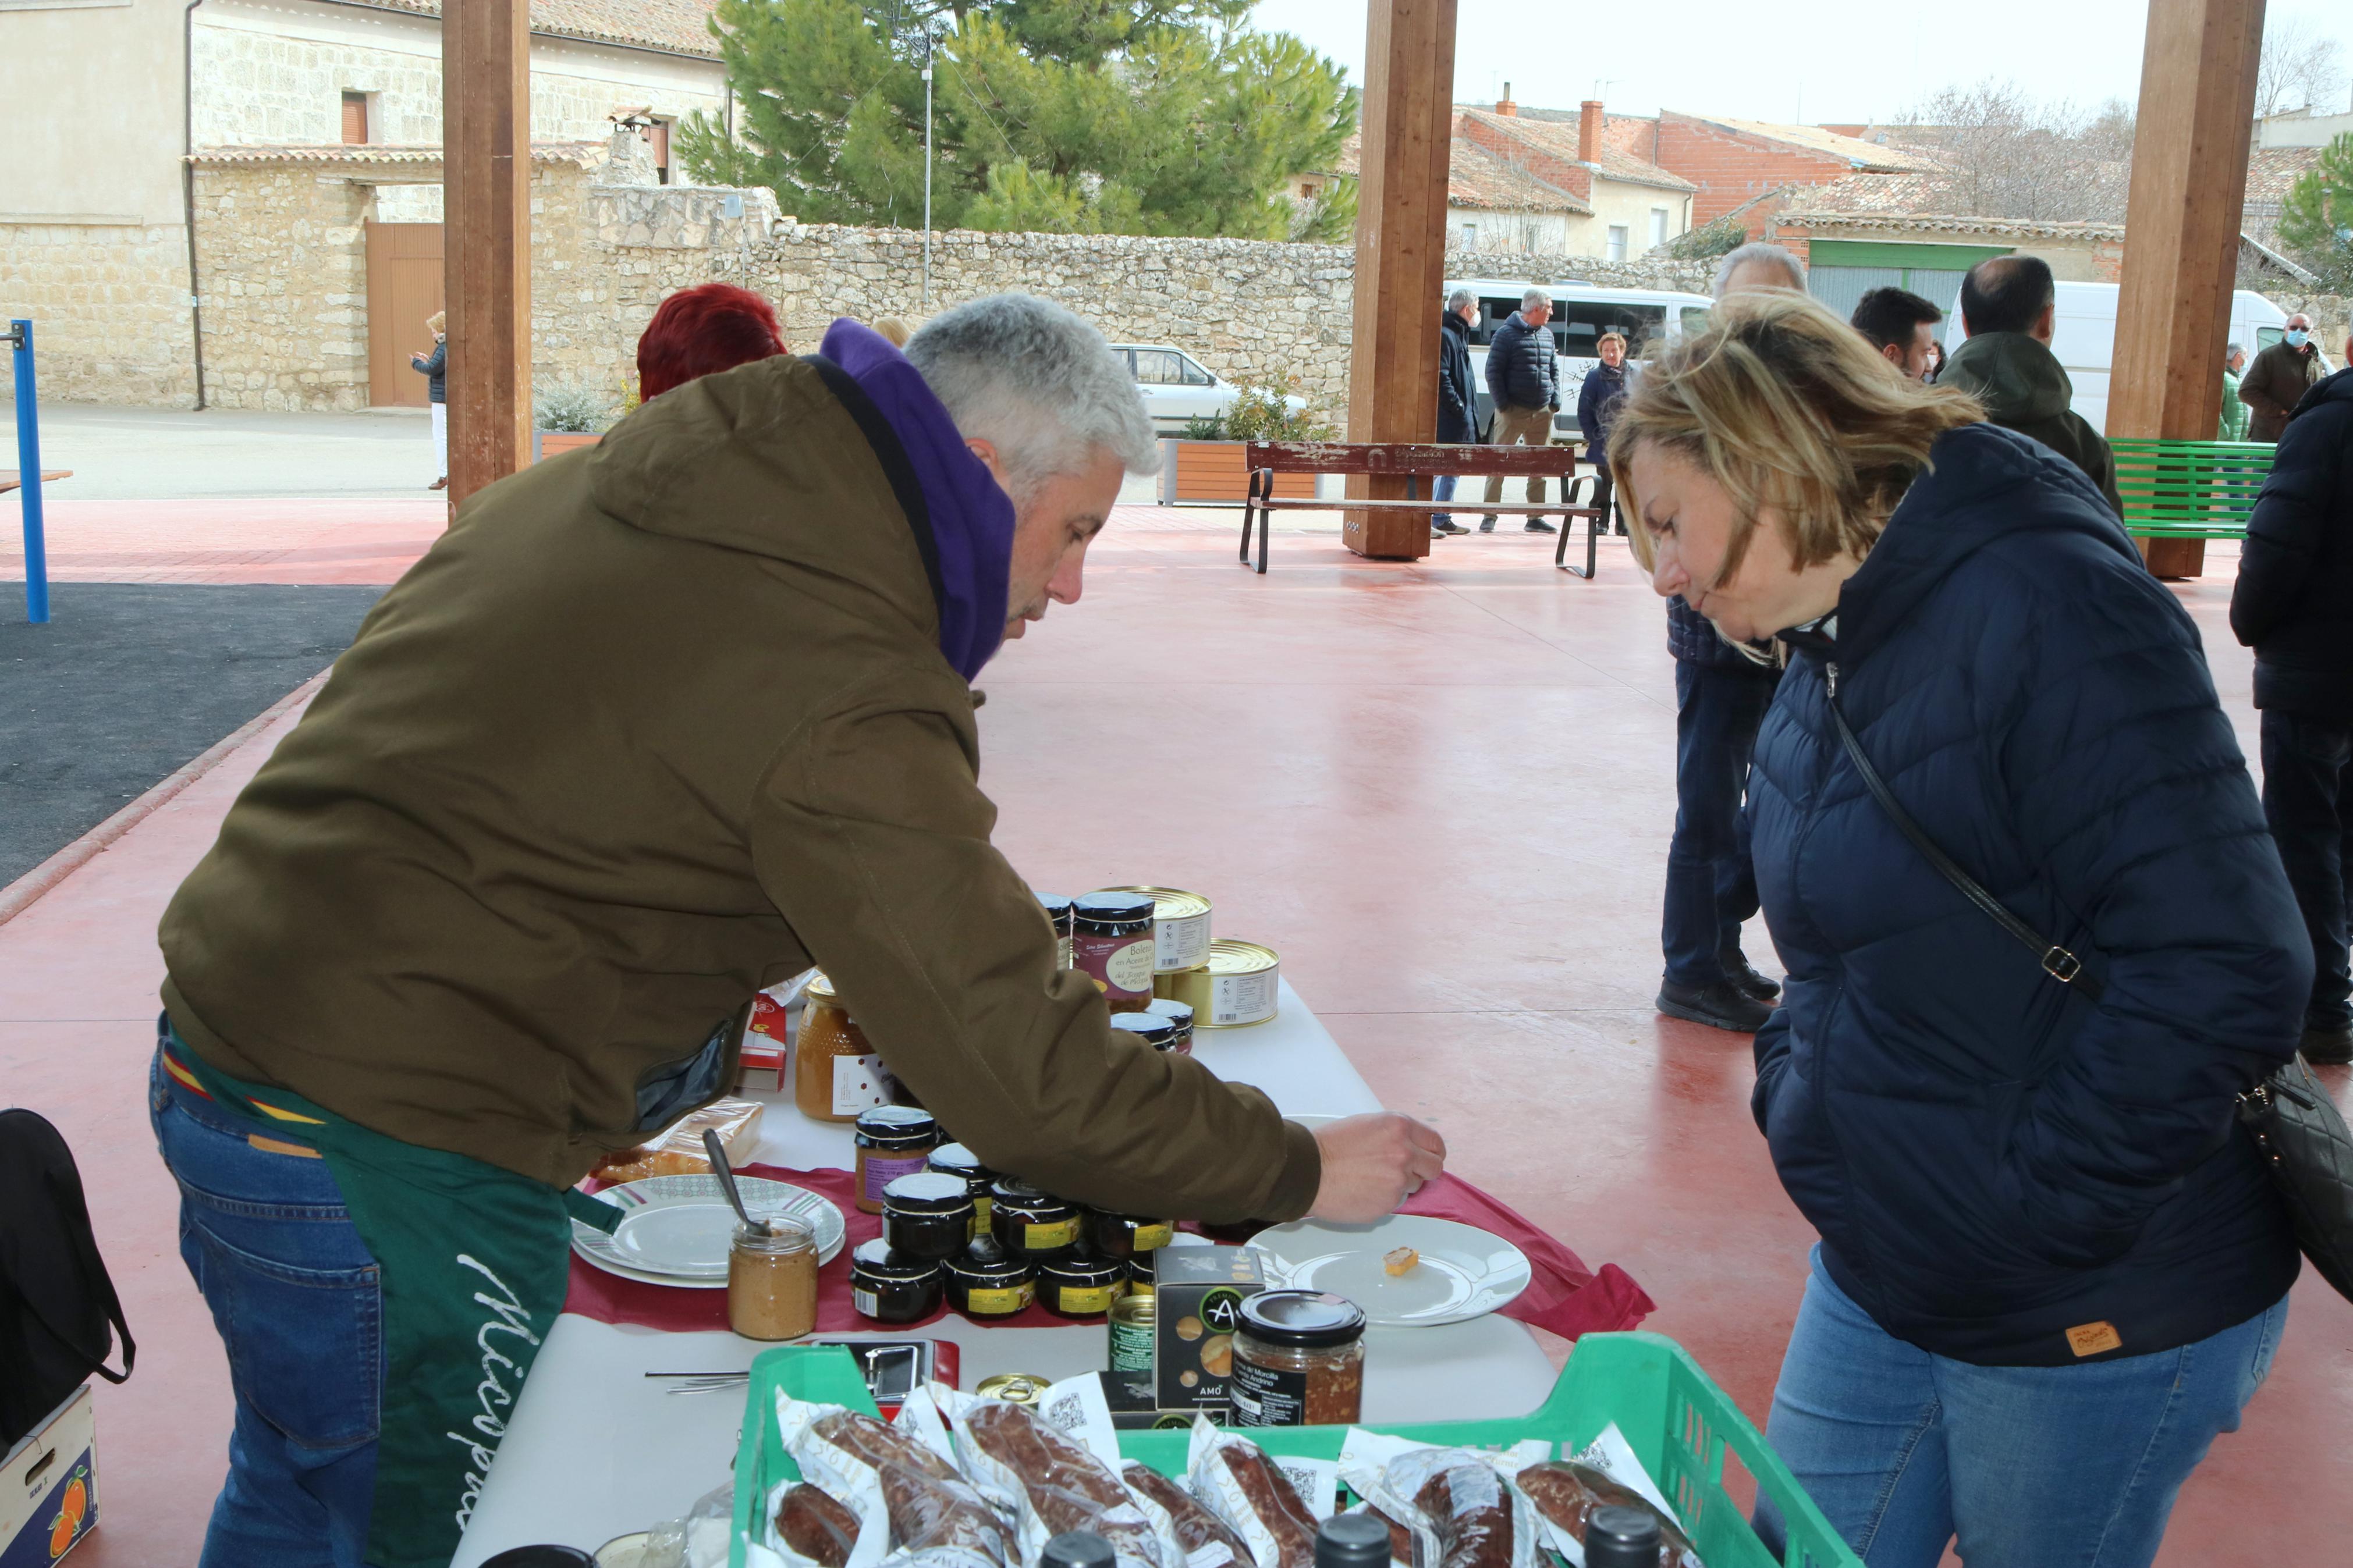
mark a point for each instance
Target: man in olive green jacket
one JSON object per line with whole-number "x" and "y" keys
{"x": 2008, "y": 306}
{"x": 654, "y": 726}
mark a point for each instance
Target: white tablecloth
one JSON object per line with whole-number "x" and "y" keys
{"x": 597, "y": 1449}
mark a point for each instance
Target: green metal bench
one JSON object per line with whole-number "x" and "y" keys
{"x": 2190, "y": 489}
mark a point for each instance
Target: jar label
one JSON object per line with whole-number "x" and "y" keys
{"x": 860, "y": 1083}
{"x": 867, "y": 1302}
{"x": 999, "y": 1302}
{"x": 1062, "y": 951}
{"x": 1052, "y": 1238}
{"x": 1129, "y": 969}
{"x": 1131, "y": 1347}
{"x": 1088, "y": 1298}
{"x": 1181, "y": 943}
{"x": 881, "y": 1170}
{"x": 1243, "y": 999}
{"x": 1265, "y": 1396}
{"x": 1152, "y": 1238}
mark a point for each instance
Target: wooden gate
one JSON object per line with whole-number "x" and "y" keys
{"x": 404, "y": 287}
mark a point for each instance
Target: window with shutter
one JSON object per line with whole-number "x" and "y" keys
{"x": 657, "y": 136}
{"x": 355, "y": 119}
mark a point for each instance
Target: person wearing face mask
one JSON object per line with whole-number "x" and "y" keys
{"x": 653, "y": 726}
{"x": 2279, "y": 377}
{"x": 2051, "y": 1269}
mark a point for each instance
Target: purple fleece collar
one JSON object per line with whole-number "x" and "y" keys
{"x": 971, "y": 516}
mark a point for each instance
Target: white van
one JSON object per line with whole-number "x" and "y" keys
{"x": 1581, "y": 313}
{"x": 2084, "y": 336}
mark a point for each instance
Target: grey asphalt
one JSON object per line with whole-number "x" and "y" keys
{"x": 173, "y": 454}
{"x": 133, "y": 680}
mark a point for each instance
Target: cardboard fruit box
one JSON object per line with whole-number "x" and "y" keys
{"x": 48, "y": 1487}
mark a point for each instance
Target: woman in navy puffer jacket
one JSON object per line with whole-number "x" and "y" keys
{"x": 2051, "y": 1269}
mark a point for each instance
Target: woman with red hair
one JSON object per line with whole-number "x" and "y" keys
{"x": 702, "y": 330}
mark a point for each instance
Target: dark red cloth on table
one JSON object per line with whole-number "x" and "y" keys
{"x": 1563, "y": 1295}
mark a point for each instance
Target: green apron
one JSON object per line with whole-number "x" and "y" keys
{"x": 474, "y": 1261}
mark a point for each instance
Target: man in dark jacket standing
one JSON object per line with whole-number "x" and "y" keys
{"x": 1526, "y": 384}
{"x": 2294, "y": 606}
{"x": 2275, "y": 384}
{"x": 1458, "y": 396}
{"x": 2009, "y": 306}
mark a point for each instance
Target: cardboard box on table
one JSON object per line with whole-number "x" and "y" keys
{"x": 48, "y": 1487}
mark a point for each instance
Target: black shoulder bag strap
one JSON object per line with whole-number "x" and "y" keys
{"x": 2297, "y": 1128}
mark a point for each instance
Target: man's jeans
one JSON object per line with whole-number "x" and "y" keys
{"x": 1711, "y": 882}
{"x": 2309, "y": 801}
{"x": 297, "y": 1299}
{"x": 2032, "y": 1466}
{"x": 1442, "y": 489}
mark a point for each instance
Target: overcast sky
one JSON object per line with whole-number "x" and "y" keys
{"x": 1803, "y": 60}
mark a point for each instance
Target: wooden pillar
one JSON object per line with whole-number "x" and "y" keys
{"x": 486, "y": 176}
{"x": 2181, "y": 231}
{"x": 1409, "y": 128}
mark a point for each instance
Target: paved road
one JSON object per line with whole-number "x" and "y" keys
{"x": 167, "y": 453}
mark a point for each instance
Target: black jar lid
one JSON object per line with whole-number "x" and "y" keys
{"x": 877, "y": 1260}
{"x": 1056, "y": 904}
{"x": 958, "y": 1161}
{"x": 1143, "y": 1269}
{"x": 1178, "y": 1012}
{"x": 1303, "y": 1319}
{"x": 1114, "y": 908}
{"x": 1014, "y": 1193}
{"x": 897, "y": 1126}
{"x": 986, "y": 1262}
{"x": 1153, "y": 1029}
{"x": 1080, "y": 1268}
{"x": 927, "y": 1192}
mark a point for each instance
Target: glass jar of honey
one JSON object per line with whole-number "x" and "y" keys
{"x": 836, "y": 1074}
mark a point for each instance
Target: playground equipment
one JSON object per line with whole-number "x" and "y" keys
{"x": 29, "y": 474}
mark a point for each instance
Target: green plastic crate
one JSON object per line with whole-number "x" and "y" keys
{"x": 1679, "y": 1422}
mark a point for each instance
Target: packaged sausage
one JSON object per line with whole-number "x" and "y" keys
{"x": 815, "y": 1527}
{"x": 1564, "y": 1495}
{"x": 1400, "y": 1538}
{"x": 1205, "y": 1540}
{"x": 1251, "y": 1493}
{"x": 1048, "y": 1483}
{"x": 912, "y": 1509}
{"x": 1458, "y": 1503}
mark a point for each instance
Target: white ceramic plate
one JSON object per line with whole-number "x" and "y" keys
{"x": 1465, "y": 1271}
{"x": 676, "y": 1229}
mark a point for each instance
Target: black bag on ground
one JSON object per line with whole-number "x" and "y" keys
{"x": 56, "y": 1301}
{"x": 2297, "y": 1127}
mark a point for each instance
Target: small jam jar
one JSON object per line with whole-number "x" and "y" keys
{"x": 1077, "y": 1284}
{"x": 927, "y": 1216}
{"x": 955, "y": 1160}
{"x": 891, "y": 1289}
{"x": 772, "y": 1281}
{"x": 1112, "y": 944}
{"x": 1027, "y": 1222}
{"x": 1124, "y": 1235}
{"x": 1058, "y": 908}
{"x": 1154, "y": 1030}
{"x": 1299, "y": 1360}
{"x": 1143, "y": 1274}
{"x": 894, "y": 1141}
{"x": 1179, "y": 1013}
{"x": 986, "y": 1282}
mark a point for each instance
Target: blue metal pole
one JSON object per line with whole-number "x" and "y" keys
{"x": 28, "y": 460}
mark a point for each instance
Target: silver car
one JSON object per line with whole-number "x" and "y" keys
{"x": 1179, "y": 388}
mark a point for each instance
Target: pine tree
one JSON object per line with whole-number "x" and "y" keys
{"x": 2316, "y": 224}
{"x": 1165, "y": 117}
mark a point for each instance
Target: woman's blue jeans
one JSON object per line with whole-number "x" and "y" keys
{"x": 296, "y": 1296}
{"x": 2052, "y": 1466}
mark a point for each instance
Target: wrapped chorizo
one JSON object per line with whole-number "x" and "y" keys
{"x": 814, "y": 1525}
{"x": 1250, "y": 1492}
{"x": 1564, "y": 1495}
{"x": 912, "y": 1509}
{"x": 1458, "y": 1504}
{"x": 1047, "y": 1484}
{"x": 1207, "y": 1540}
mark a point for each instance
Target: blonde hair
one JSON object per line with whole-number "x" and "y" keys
{"x": 894, "y": 328}
{"x": 1795, "y": 414}
{"x": 433, "y": 322}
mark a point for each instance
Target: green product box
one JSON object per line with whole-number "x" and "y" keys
{"x": 1201, "y": 1293}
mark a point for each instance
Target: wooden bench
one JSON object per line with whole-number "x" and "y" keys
{"x": 1415, "y": 463}
{"x": 12, "y": 479}
{"x": 2190, "y": 489}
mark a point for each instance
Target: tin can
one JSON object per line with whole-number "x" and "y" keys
{"x": 1132, "y": 1332}
{"x": 1240, "y": 984}
{"x": 1013, "y": 1387}
{"x": 1180, "y": 927}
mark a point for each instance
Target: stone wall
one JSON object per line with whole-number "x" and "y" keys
{"x": 283, "y": 257}
{"x": 109, "y": 308}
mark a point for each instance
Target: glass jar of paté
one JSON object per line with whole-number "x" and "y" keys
{"x": 927, "y": 1215}
{"x": 955, "y": 1160}
{"x": 1299, "y": 1360}
{"x": 894, "y": 1141}
{"x": 836, "y": 1074}
{"x": 772, "y": 1281}
{"x": 1029, "y": 1223}
{"x": 1112, "y": 944}
{"x": 1058, "y": 909}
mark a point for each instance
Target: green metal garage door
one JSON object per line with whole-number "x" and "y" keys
{"x": 1842, "y": 270}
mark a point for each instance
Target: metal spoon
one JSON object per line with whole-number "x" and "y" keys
{"x": 726, "y": 1174}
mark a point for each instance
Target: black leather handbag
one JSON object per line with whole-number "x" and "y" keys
{"x": 58, "y": 1314}
{"x": 2296, "y": 1125}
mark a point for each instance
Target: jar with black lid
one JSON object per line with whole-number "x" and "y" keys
{"x": 1180, "y": 1014}
{"x": 1299, "y": 1360}
{"x": 1150, "y": 1027}
{"x": 955, "y": 1160}
{"x": 1080, "y": 1284}
{"x": 1058, "y": 908}
{"x": 1029, "y": 1223}
{"x": 927, "y": 1216}
{"x": 987, "y": 1282}
{"x": 1112, "y": 942}
{"x": 1122, "y": 1236}
{"x": 892, "y": 1287}
{"x": 894, "y": 1141}
{"x": 1142, "y": 1274}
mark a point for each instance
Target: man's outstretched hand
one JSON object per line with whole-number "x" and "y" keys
{"x": 1372, "y": 1164}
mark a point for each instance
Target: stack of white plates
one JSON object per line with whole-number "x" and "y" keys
{"x": 675, "y": 1230}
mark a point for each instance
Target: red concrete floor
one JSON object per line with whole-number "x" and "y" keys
{"x": 1443, "y": 792}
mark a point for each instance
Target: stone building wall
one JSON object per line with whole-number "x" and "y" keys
{"x": 109, "y": 308}
{"x": 284, "y": 259}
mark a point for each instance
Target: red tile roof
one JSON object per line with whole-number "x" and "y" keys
{"x": 1476, "y": 177}
{"x": 1554, "y": 132}
{"x": 673, "y": 26}
{"x": 584, "y": 153}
